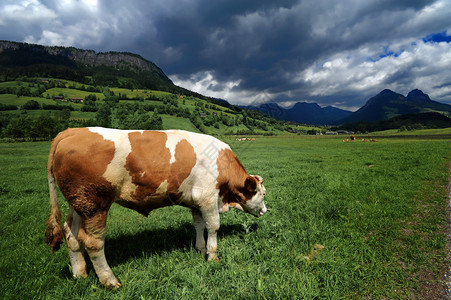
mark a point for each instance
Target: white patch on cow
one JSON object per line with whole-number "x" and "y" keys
{"x": 142, "y": 173}
{"x": 173, "y": 138}
{"x": 115, "y": 172}
{"x": 200, "y": 186}
{"x": 163, "y": 188}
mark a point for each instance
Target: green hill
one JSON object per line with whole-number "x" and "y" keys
{"x": 30, "y": 103}
{"x": 60, "y": 87}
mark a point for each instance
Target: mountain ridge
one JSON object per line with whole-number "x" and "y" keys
{"x": 385, "y": 105}
{"x": 130, "y": 70}
{"x": 110, "y": 58}
{"x": 303, "y": 112}
{"x": 388, "y": 104}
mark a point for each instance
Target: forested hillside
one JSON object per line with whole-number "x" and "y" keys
{"x": 46, "y": 89}
{"x": 38, "y": 108}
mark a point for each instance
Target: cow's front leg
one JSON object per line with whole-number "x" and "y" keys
{"x": 199, "y": 225}
{"x": 93, "y": 236}
{"x": 211, "y": 218}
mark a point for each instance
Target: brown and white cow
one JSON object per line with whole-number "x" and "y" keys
{"x": 142, "y": 170}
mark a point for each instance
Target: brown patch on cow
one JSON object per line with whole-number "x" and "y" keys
{"x": 92, "y": 231}
{"x": 251, "y": 184}
{"x": 80, "y": 160}
{"x": 149, "y": 166}
{"x": 233, "y": 182}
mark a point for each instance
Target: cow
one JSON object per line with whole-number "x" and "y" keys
{"x": 142, "y": 170}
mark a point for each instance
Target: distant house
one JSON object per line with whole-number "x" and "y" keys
{"x": 345, "y": 132}
{"x": 76, "y": 99}
{"x": 331, "y": 133}
{"x": 202, "y": 115}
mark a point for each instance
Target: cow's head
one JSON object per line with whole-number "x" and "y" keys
{"x": 255, "y": 190}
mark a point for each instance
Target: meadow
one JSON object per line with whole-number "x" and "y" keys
{"x": 346, "y": 220}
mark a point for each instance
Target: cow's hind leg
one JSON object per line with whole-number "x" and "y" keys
{"x": 74, "y": 247}
{"x": 199, "y": 224}
{"x": 92, "y": 234}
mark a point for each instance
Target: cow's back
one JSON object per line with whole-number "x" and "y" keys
{"x": 142, "y": 170}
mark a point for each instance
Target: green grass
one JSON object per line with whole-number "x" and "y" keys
{"x": 377, "y": 208}
{"x": 441, "y": 131}
{"x": 71, "y": 93}
{"x": 172, "y": 122}
{"x": 10, "y": 99}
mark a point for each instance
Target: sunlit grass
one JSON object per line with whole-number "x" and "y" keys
{"x": 377, "y": 208}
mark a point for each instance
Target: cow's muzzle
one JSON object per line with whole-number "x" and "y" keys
{"x": 262, "y": 212}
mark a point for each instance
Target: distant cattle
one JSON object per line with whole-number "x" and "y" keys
{"x": 142, "y": 170}
{"x": 245, "y": 139}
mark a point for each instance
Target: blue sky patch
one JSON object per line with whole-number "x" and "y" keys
{"x": 437, "y": 38}
{"x": 385, "y": 53}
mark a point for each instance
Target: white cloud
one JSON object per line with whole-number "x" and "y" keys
{"x": 81, "y": 23}
{"x": 425, "y": 64}
{"x": 206, "y": 84}
{"x": 26, "y": 11}
{"x": 51, "y": 38}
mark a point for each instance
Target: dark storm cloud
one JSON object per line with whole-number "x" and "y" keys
{"x": 331, "y": 52}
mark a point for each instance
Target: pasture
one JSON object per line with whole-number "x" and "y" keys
{"x": 345, "y": 220}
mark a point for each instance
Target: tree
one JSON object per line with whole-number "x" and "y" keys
{"x": 103, "y": 116}
{"x": 31, "y": 105}
{"x": 91, "y": 97}
{"x": 63, "y": 115}
{"x": 157, "y": 122}
{"x": 45, "y": 127}
{"x": 19, "y": 128}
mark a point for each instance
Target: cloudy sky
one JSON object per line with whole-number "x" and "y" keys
{"x": 330, "y": 52}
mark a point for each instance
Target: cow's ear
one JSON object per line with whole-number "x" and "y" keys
{"x": 251, "y": 184}
{"x": 259, "y": 178}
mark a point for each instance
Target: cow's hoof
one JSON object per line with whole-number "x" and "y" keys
{"x": 213, "y": 258}
{"x": 112, "y": 283}
{"x": 202, "y": 250}
{"x": 118, "y": 285}
{"x": 80, "y": 275}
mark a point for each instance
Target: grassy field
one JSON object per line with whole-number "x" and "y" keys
{"x": 172, "y": 122}
{"x": 423, "y": 132}
{"x": 346, "y": 220}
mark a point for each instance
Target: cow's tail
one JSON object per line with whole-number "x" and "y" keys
{"x": 54, "y": 232}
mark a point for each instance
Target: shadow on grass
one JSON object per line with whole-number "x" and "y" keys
{"x": 123, "y": 248}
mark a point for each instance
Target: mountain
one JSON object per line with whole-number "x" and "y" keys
{"x": 428, "y": 120}
{"x": 388, "y": 104}
{"x": 121, "y": 69}
{"x": 303, "y": 112}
